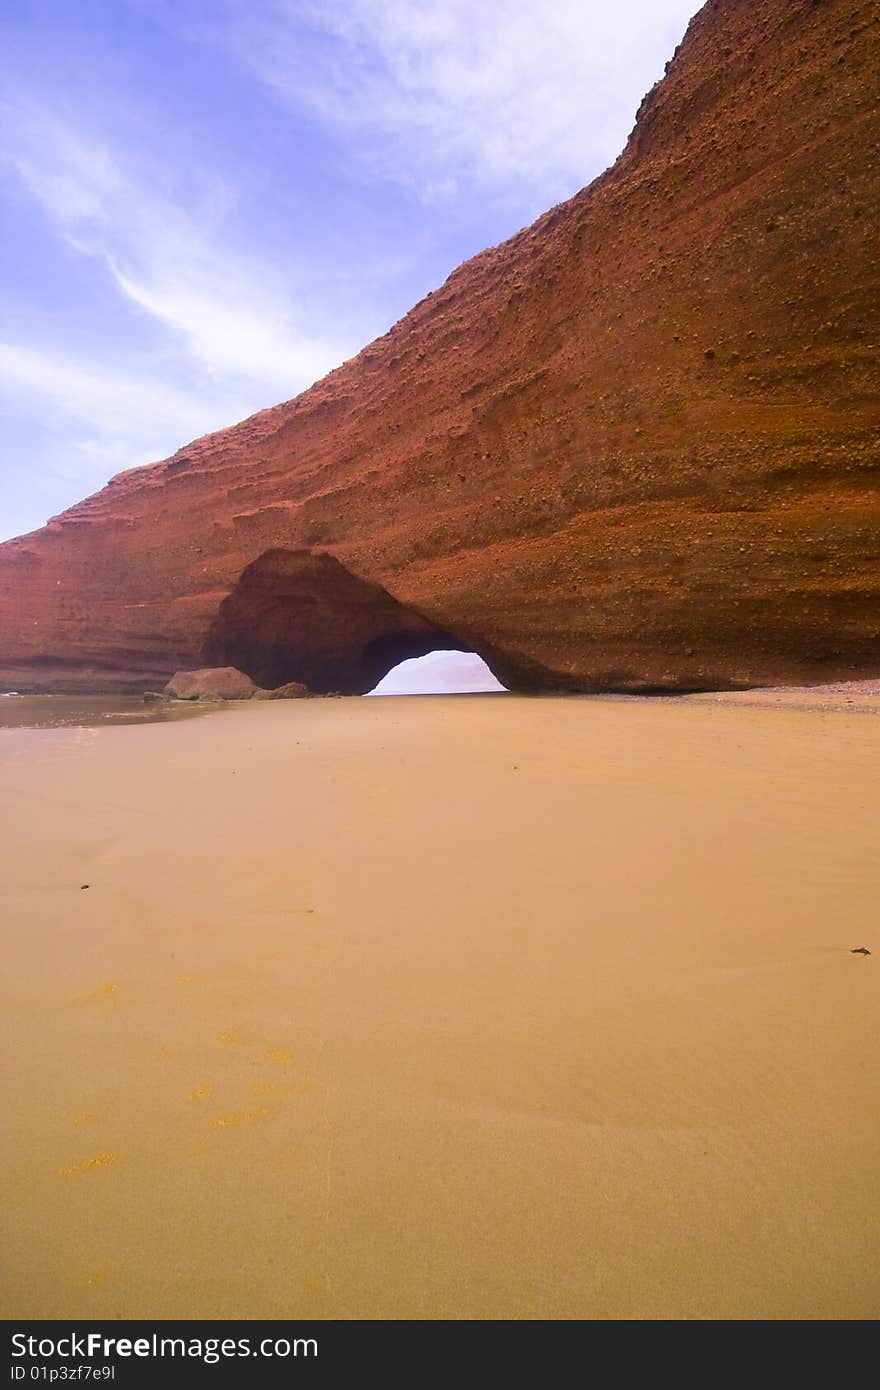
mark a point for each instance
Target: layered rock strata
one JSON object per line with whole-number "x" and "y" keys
{"x": 634, "y": 447}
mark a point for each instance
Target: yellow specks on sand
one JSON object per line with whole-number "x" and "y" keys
{"x": 89, "y": 1165}
{"x": 231, "y": 1036}
{"x": 264, "y": 1088}
{"x": 281, "y": 1056}
{"x": 241, "y": 1117}
{"x": 200, "y": 1092}
{"x": 106, "y": 990}
{"x": 187, "y": 980}
{"x": 85, "y": 1117}
{"x": 95, "y": 1278}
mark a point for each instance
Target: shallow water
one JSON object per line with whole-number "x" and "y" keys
{"x": 79, "y": 711}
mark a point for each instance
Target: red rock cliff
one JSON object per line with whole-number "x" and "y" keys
{"x": 633, "y": 447}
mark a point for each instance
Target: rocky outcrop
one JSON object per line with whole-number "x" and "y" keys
{"x": 211, "y": 683}
{"x": 223, "y": 683}
{"x": 291, "y": 691}
{"x": 635, "y": 447}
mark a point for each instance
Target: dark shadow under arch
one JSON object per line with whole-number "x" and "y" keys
{"x": 299, "y": 616}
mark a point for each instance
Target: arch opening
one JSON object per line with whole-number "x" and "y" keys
{"x": 440, "y": 673}
{"x": 299, "y": 616}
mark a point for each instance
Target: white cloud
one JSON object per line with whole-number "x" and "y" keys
{"x": 441, "y": 93}
{"x": 228, "y": 329}
{"x": 230, "y": 315}
{"x": 108, "y": 403}
{"x": 89, "y": 421}
{"x": 224, "y": 338}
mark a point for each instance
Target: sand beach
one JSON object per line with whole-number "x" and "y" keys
{"x": 479, "y": 1007}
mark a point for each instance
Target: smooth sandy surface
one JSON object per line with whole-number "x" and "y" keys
{"x": 478, "y": 1007}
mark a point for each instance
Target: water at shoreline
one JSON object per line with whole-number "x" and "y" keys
{"x": 90, "y": 711}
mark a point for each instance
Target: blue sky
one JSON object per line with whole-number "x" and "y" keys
{"x": 208, "y": 204}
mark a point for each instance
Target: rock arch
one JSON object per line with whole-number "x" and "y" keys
{"x": 297, "y": 615}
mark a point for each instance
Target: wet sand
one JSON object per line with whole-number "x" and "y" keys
{"x": 79, "y": 711}
{"x": 460, "y": 1007}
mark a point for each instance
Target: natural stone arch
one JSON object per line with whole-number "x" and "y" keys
{"x": 295, "y": 615}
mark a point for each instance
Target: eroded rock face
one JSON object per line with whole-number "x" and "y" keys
{"x": 211, "y": 683}
{"x": 303, "y": 618}
{"x": 635, "y": 447}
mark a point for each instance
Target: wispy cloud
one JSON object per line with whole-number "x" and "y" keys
{"x": 106, "y": 403}
{"x": 231, "y": 315}
{"x": 88, "y": 421}
{"x": 221, "y": 335}
{"x": 445, "y": 93}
